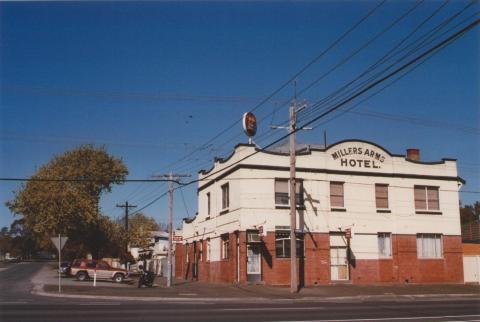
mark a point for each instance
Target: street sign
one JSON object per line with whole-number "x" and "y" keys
{"x": 59, "y": 242}
{"x": 348, "y": 233}
{"x": 177, "y": 238}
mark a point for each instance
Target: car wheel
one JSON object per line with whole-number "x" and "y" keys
{"x": 118, "y": 278}
{"x": 82, "y": 276}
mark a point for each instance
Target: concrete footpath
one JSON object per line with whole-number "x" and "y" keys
{"x": 46, "y": 284}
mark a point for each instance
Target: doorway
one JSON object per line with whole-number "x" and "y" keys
{"x": 339, "y": 263}
{"x": 254, "y": 267}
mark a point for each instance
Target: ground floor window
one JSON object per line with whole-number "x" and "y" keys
{"x": 429, "y": 246}
{"x": 225, "y": 246}
{"x": 282, "y": 244}
{"x": 384, "y": 245}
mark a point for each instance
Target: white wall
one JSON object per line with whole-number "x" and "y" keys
{"x": 252, "y": 202}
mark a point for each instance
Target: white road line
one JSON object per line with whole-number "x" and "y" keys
{"x": 14, "y": 302}
{"x": 99, "y": 303}
{"x": 390, "y": 319}
{"x": 298, "y": 308}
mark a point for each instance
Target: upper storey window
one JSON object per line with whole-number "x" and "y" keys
{"x": 426, "y": 198}
{"x": 225, "y": 196}
{"x": 208, "y": 204}
{"x": 282, "y": 192}
{"x": 336, "y": 195}
{"x": 381, "y": 196}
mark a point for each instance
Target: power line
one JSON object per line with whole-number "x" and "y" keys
{"x": 420, "y": 42}
{"x": 431, "y": 50}
{"x": 438, "y": 46}
{"x": 286, "y": 83}
{"x": 429, "y": 18}
{"x": 374, "y": 65}
{"x": 366, "y": 45}
{"x": 114, "y": 180}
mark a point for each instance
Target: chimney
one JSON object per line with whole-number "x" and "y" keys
{"x": 413, "y": 154}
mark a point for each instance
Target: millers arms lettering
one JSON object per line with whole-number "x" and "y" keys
{"x": 349, "y": 157}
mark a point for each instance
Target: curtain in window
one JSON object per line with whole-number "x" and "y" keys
{"x": 432, "y": 194}
{"x": 336, "y": 194}
{"x": 381, "y": 195}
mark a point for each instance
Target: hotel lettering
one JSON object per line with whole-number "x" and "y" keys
{"x": 359, "y": 157}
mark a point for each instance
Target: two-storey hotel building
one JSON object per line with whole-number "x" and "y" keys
{"x": 364, "y": 215}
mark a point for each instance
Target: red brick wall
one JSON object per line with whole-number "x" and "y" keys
{"x": 405, "y": 266}
{"x": 315, "y": 268}
{"x": 223, "y": 271}
{"x": 179, "y": 260}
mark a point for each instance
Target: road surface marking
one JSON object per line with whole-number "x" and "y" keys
{"x": 390, "y": 319}
{"x": 273, "y": 308}
{"x": 14, "y": 302}
{"x": 100, "y": 303}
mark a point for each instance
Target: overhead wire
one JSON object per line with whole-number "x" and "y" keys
{"x": 429, "y": 18}
{"x": 420, "y": 42}
{"x": 286, "y": 83}
{"x": 369, "y": 87}
{"x": 433, "y": 49}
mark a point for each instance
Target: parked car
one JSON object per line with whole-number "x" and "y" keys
{"x": 13, "y": 259}
{"x": 65, "y": 268}
{"x": 84, "y": 269}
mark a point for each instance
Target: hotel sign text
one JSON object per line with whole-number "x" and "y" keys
{"x": 359, "y": 157}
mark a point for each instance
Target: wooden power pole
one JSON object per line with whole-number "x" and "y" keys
{"x": 127, "y": 208}
{"x": 292, "y": 190}
{"x": 172, "y": 177}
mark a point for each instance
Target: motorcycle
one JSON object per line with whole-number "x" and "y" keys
{"x": 147, "y": 278}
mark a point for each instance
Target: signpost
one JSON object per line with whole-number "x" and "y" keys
{"x": 59, "y": 242}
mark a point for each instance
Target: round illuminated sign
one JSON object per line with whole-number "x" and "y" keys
{"x": 249, "y": 124}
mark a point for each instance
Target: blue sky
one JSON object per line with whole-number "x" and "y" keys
{"x": 153, "y": 81}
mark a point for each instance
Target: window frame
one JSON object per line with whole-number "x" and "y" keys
{"x": 286, "y": 245}
{"x": 225, "y": 255}
{"x": 208, "y": 247}
{"x": 377, "y": 197}
{"x": 225, "y": 188}
{"x": 335, "y": 207}
{"x": 208, "y": 203}
{"x": 300, "y": 199}
{"x": 421, "y": 253}
{"x": 429, "y": 209}
{"x": 382, "y": 236}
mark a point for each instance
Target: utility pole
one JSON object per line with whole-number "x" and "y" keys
{"x": 293, "y": 201}
{"x": 294, "y": 109}
{"x": 172, "y": 177}
{"x": 127, "y": 207}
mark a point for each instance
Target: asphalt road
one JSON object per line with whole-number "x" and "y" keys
{"x": 17, "y": 304}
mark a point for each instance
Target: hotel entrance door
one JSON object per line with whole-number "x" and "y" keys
{"x": 254, "y": 273}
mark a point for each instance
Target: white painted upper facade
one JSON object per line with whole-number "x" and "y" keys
{"x": 250, "y": 174}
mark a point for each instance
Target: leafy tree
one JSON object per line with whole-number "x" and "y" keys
{"x": 470, "y": 213}
{"x": 63, "y": 196}
{"x": 140, "y": 228}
